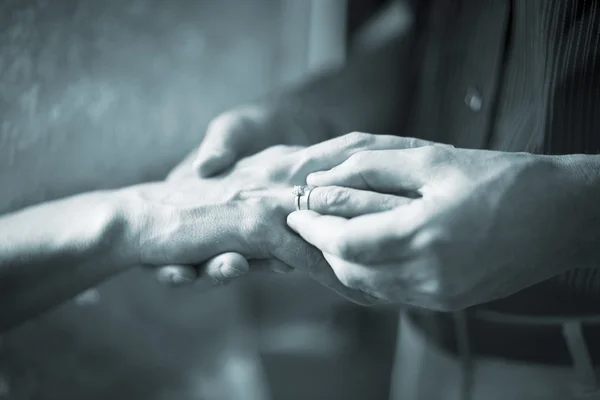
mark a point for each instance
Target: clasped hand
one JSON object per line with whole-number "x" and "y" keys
{"x": 214, "y": 222}
{"x": 402, "y": 220}
{"x": 463, "y": 227}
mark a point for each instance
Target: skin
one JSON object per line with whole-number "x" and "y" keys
{"x": 210, "y": 223}
{"x": 45, "y": 261}
{"x": 335, "y": 104}
{"x": 370, "y": 93}
{"x": 478, "y": 225}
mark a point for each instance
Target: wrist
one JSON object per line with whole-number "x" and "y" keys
{"x": 127, "y": 213}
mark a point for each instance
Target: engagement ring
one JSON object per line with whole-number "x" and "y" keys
{"x": 302, "y": 196}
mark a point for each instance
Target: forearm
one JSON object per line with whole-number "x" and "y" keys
{"x": 581, "y": 219}
{"x": 53, "y": 251}
{"x": 369, "y": 94}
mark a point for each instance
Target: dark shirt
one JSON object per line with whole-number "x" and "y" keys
{"x": 520, "y": 75}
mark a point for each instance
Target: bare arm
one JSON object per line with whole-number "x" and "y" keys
{"x": 51, "y": 252}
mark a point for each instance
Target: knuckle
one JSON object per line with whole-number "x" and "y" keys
{"x": 415, "y": 143}
{"x": 358, "y": 139}
{"x": 270, "y": 173}
{"x": 221, "y": 121}
{"x": 233, "y": 121}
{"x": 282, "y": 149}
{"x": 253, "y": 223}
{"x": 355, "y": 160}
{"x": 336, "y": 197}
{"x": 428, "y": 153}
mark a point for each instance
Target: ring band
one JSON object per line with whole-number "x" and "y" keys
{"x": 298, "y": 192}
{"x": 301, "y": 192}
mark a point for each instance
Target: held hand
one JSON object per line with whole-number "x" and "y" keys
{"x": 246, "y": 130}
{"x": 223, "y": 268}
{"x": 480, "y": 225}
{"x": 290, "y": 165}
{"x": 169, "y": 224}
{"x": 275, "y": 166}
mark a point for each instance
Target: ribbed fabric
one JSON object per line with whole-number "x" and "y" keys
{"x": 550, "y": 101}
{"x": 536, "y": 66}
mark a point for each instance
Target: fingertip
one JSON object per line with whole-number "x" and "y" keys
{"x": 205, "y": 168}
{"x": 225, "y": 267}
{"x": 293, "y": 220}
{"x": 233, "y": 265}
{"x": 298, "y": 218}
{"x": 233, "y": 270}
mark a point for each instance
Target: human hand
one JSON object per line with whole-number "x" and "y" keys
{"x": 276, "y": 166}
{"x": 481, "y": 224}
{"x": 251, "y": 175}
{"x": 171, "y": 223}
{"x": 246, "y": 130}
{"x": 290, "y": 165}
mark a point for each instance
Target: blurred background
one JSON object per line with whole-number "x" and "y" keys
{"x": 82, "y": 83}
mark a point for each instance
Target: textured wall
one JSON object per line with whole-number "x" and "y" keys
{"x": 120, "y": 88}
{"x": 104, "y": 93}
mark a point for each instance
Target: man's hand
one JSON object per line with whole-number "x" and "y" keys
{"x": 475, "y": 226}
{"x": 290, "y": 165}
{"x": 277, "y": 166}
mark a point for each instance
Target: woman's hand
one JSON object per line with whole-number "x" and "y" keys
{"x": 277, "y": 166}
{"x": 181, "y": 222}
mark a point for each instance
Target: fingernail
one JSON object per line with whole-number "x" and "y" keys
{"x": 229, "y": 271}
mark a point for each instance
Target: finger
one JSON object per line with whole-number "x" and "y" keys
{"x": 349, "y": 203}
{"x": 295, "y": 252}
{"x": 184, "y": 169}
{"x": 387, "y": 171}
{"x": 176, "y": 275}
{"x": 362, "y": 277}
{"x": 370, "y": 238}
{"x": 225, "y": 137}
{"x": 330, "y": 153}
{"x": 224, "y": 268}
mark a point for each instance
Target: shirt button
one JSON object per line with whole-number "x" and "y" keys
{"x": 473, "y": 99}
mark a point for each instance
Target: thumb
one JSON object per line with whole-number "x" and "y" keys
{"x": 225, "y": 137}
